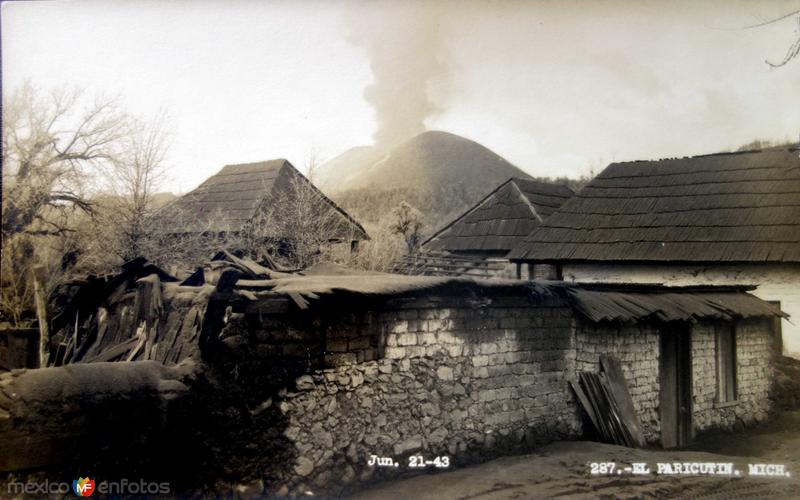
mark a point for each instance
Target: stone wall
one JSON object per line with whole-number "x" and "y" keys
{"x": 457, "y": 380}
{"x": 468, "y": 379}
{"x": 637, "y": 349}
{"x": 299, "y": 402}
{"x": 754, "y": 374}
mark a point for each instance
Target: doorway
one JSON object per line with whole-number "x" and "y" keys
{"x": 676, "y": 386}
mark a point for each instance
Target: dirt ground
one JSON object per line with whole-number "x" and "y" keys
{"x": 562, "y": 470}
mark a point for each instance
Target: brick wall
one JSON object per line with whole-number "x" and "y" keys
{"x": 753, "y": 376}
{"x": 637, "y": 349}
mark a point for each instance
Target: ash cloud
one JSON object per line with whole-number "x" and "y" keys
{"x": 404, "y": 46}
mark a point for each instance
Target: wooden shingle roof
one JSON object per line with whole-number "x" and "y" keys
{"x": 733, "y": 207}
{"x": 500, "y": 220}
{"x": 228, "y": 200}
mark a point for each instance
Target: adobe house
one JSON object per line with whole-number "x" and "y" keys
{"x": 327, "y": 368}
{"x": 721, "y": 219}
{"x": 499, "y": 221}
{"x": 243, "y": 197}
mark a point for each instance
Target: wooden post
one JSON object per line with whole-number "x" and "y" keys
{"x": 41, "y": 315}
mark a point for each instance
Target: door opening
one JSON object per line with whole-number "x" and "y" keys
{"x": 676, "y": 386}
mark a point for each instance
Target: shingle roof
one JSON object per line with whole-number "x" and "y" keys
{"x": 735, "y": 207}
{"x": 228, "y": 200}
{"x": 500, "y": 220}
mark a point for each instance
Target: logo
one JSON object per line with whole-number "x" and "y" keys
{"x": 83, "y": 486}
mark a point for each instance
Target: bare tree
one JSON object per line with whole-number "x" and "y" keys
{"x": 134, "y": 178}
{"x": 794, "y": 48}
{"x": 312, "y": 162}
{"x": 408, "y": 224}
{"x": 295, "y": 225}
{"x": 52, "y": 143}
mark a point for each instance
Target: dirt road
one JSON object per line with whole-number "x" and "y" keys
{"x": 563, "y": 470}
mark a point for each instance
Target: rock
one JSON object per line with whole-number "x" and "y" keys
{"x": 304, "y": 383}
{"x": 444, "y": 373}
{"x": 303, "y": 467}
{"x": 250, "y": 490}
{"x": 323, "y": 479}
{"x": 438, "y": 436}
{"x": 357, "y": 379}
{"x": 411, "y": 444}
{"x": 352, "y": 453}
{"x": 430, "y": 409}
{"x": 326, "y": 439}
{"x": 348, "y": 475}
{"x": 261, "y": 408}
{"x": 292, "y": 432}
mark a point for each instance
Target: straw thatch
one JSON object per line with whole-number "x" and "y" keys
{"x": 502, "y": 219}
{"x": 228, "y": 201}
{"x": 732, "y": 207}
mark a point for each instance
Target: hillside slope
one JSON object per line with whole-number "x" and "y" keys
{"x": 429, "y": 161}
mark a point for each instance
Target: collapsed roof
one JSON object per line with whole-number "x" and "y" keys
{"x": 142, "y": 314}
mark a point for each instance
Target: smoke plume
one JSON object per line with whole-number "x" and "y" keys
{"x": 403, "y": 43}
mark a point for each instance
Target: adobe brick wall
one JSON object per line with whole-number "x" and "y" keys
{"x": 637, "y": 349}
{"x": 754, "y": 375}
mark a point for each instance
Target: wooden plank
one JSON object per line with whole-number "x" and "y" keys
{"x": 41, "y": 314}
{"x": 593, "y": 396}
{"x": 114, "y": 352}
{"x": 621, "y": 434}
{"x": 618, "y": 387}
{"x": 587, "y": 406}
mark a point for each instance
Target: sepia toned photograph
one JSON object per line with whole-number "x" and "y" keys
{"x": 429, "y": 249}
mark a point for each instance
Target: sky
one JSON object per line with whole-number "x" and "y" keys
{"x": 557, "y": 88}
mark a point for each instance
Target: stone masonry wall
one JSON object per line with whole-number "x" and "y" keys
{"x": 462, "y": 378}
{"x": 753, "y": 376}
{"x": 453, "y": 380}
{"x": 637, "y": 349}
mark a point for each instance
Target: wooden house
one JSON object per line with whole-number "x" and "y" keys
{"x": 498, "y": 222}
{"x": 238, "y": 197}
{"x": 722, "y": 219}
